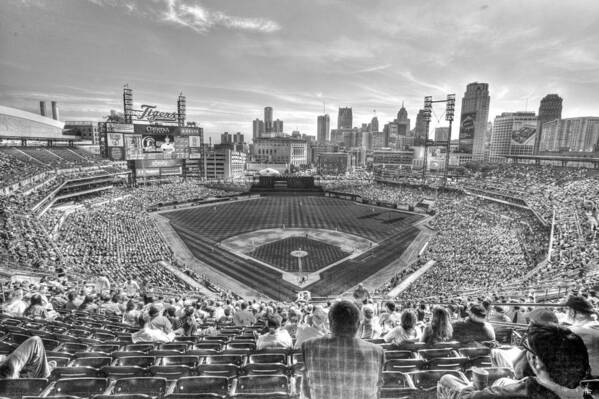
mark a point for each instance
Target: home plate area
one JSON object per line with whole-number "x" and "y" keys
{"x": 278, "y": 249}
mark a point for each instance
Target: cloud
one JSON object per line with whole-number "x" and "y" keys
{"x": 190, "y": 14}
{"x": 374, "y": 68}
{"x": 201, "y": 19}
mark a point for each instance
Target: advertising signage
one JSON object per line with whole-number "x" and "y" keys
{"x": 467, "y": 126}
{"x": 160, "y": 130}
{"x": 151, "y": 114}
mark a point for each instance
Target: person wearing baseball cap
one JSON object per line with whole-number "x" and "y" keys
{"x": 583, "y": 322}
{"x": 474, "y": 329}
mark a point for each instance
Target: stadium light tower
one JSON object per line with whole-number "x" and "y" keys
{"x": 428, "y": 108}
{"x": 449, "y": 115}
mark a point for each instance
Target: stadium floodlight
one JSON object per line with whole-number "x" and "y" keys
{"x": 450, "y": 107}
{"x": 428, "y": 108}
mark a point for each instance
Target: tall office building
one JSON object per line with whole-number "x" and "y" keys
{"x": 420, "y": 128}
{"x": 226, "y": 138}
{"x": 403, "y": 122}
{"x": 277, "y": 126}
{"x": 268, "y": 127}
{"x": 345, "y": 118}
{"x": 238, "y": 138}
{"x": 374, "y": 124}
{"x": 323, "y": 129}
{"x": 550, "y": 109}
{"x": 257, "y": 128}
{"x": 512, "y": 134}
{"x": 474, "y": 118}
{"x": 571, "y": 135}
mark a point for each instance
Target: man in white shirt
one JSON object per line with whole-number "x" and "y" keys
{"x": 276, "y": 337}
{"x": 132, "y": 288}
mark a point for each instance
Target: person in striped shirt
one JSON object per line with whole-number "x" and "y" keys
{"x": 342, "y": 365}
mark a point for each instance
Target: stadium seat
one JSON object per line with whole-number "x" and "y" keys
{"x": 61, "y": 361}
{"x": 223, "y": 339}
{"x": 448, "y": 363}
{"x": 427, "y": 380}
{"x": 396, "y": 385}
{"x": 202, "y": 385}
{"x": 268, "y": 358}
{"x": 139, "y": 361}
{"x": 404, "y": 365}
{"x": 217, "y": 346}
{"x": 74, "y": 372}
{"x": 390, "y": 355}
{"x": 164, "y": 352}
{"x": 17, "y": 338}
{"x": 224, "y": 359}
{"x": 117, "y": 372}
{"x": 186, "y": 360}
{"x": 428, "y": 354}
{"x": 82, "y": 387}
{"x": 152, "y": 386}
{"x": 218, "y": 370}
{"x": 50, "y": 344}
{"x": 81, "y": 355}
{"x": 95, "y": 362}
{"x": 181, "y": 347}
{"x": 262, "y": 384}
{"x": 171, "y": 372}
{"x": 72, "y": 347}
{"x": 406, "y": 346}
{"x": 104, "y": 336}
{"x": 107, "y": 348}
{"x": 119, "y": 354}
{"x": 141, "y": 347}
{"x": 6, "y": 348}
{"x": 17, "y": 388}
{"x": 173, "y": 367}
{"x": 477, "y": 357}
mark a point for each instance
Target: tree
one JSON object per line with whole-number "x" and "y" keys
{"x": 115, "y": 117}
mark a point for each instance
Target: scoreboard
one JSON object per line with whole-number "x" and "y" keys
{"x": 151, "y": 150}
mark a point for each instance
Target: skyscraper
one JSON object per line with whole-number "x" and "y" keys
{"x": 257, "y": 128}
{"x": 512, "y": 129}
{"x": 277, "y": 126}
{"x": 345, "y": 118}
{"x": 403, "y": 122}
{"x": 420, "y": 128}
{"x": 474, "y": 118}
{"x": 571, "y": 134}
{"x": 226, "y": 138}
{"x": 238, "y": 138}
{"x": 323, "y": 128}
{"x": 374, "y": 124}
{"x": 550, "y": 109}
{"x": 268, "y": 127}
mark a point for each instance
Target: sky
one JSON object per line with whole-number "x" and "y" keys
{"x": 303, "y": 58}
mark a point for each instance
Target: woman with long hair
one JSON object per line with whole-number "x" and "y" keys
{"x": 439, "y": 329}
{"x": 406, "y": 331}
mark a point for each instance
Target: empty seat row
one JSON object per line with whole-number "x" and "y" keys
{"x": 395, "y": 385}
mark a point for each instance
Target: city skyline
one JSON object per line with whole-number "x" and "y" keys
{"x": 231, "y": 59}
